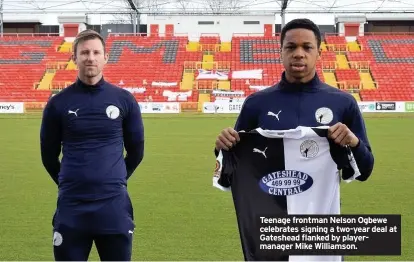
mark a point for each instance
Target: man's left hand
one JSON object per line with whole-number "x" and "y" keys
{"x": 341, "y": 134}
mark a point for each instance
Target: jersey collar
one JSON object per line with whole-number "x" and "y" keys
{"x": 97, "y": 86}
{"x": 310, "y": 86}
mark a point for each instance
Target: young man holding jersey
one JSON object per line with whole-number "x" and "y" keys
{"x": 275, "y": 120}
{"x": 302, "y": 99}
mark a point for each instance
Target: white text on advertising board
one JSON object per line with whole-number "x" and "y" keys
{"x": 235, "y": 107}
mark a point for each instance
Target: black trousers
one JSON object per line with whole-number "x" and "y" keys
{"x": 72, "y": 245}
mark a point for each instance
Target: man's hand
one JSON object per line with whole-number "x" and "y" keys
{"x": 341, "y": 134}
{"x": 227, "y": 139}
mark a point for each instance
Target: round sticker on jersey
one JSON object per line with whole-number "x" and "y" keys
{"x": 112, "y": 112}
{"x": 309, "y": 149}
{"x": 286, "y": 183}
{"x": 324, "y": 115}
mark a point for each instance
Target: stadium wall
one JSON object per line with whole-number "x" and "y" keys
{"x": 390, "y": 26}
{"x": 328, "y": 23}
{"x": 116, "y": 28}
{"x": 21, "y": 27}
{"x": 193, "y": 26}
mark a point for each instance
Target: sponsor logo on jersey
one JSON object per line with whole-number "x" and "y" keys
{"x": 285, "y": 183}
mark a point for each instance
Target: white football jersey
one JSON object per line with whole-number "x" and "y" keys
{"x": 286, "y": 172}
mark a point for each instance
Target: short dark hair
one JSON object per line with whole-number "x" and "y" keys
{"x": 85, "y": 35}
{"x": 301, "y": 23}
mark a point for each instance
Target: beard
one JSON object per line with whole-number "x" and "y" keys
{"x": 91, "y": 72}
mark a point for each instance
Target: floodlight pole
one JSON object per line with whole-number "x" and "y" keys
{"x": 134, "y": 15}
{"x": 1, "y": 18}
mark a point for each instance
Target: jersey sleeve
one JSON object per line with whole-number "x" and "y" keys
{"x": 350, "y": 172}
{"x": 363, "y": 151}
{"x": 133, "y": 133}
{"x": 223, "y": 173}
{"x": 346, "y": 162}
{"x": 247, "y": 119}
{"x": 51, "y": 139}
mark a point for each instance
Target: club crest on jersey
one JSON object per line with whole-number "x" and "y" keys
{"x": 285, "y": 183}
{"x": 57, "y": 239}
{"x": 112, "y": 112}
{"x": 324, "y": 115}
{"x": 309, "y": 149}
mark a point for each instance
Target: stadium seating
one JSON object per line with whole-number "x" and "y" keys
{"x": 150, "y": 67}
{"x": 23, "y": 62}
{"x": 391, "y": 62}
{"x": 168, "y": 68}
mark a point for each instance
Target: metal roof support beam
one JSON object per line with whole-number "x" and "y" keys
{"x": 283, "y": 12}
{"x": 200, "y": 12}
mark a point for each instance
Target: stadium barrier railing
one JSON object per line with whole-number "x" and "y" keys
{"x": 355, "y": 85}
{"x": 362, "y": 66}
{"x": 331, "y": 66}
{"x": 53, "y": 66}
{"x": 192, "y": 66}
{"x": 221, "y": 107}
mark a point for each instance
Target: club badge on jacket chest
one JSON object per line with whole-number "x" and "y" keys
{"x": 88, "y": 119}
{"x": 288, "y": 118}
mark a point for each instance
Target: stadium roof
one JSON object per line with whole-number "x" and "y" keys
{"x": 199, "y": 7}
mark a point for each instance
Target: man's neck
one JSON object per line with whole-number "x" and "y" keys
{"x": 297, "y": 81}
{"x": 90, "y": 80}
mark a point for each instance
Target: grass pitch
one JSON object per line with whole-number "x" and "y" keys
{"x": 179, "y": 215}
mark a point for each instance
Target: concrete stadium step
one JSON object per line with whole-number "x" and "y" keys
{"x": 187, "y": 81}
{"x": 225, "y": 47}
{"x": 367, "y": 81}
{"x": 357, "y": 96}
{"x": 353, "y": 46}
{"x": 71, "y": 65}
{"x": 330, "y": 79}
{"x": 201, "y": 99}
{"x": 342, "y": 62}
{"x": 66, "y": 47}
{"x": 46, "y": 81}
{"x": 208, "y": 62}
{"x": 323, "y": 46}
{"x": 224, "y": 85}
{"x": 192, "y": 46}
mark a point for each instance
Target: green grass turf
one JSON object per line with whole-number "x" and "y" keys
{"x": 179, "y": 215}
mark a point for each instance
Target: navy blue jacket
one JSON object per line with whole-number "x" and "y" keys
{"x": 91, "y": 126}
{"x": 286, "y": 106}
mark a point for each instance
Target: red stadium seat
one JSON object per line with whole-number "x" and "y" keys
{"x": 153, "y": 67}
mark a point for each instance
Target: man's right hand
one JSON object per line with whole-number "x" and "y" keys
{"x": 227, "y": 139}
